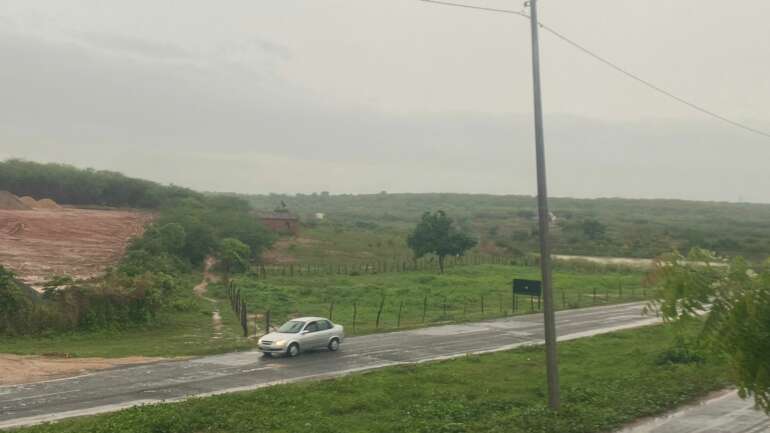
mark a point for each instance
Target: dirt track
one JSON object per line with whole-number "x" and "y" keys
{"x": 31, "y": 369}
{"x": 77, "y": 242}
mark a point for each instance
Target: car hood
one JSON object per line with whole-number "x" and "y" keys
{"x": 276, "y": 336}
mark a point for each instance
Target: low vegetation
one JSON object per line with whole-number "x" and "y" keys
{"x": 607, "y": 381}
{"x": 508, "y": 225}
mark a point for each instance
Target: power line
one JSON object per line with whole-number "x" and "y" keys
{"x": 612, "y": 65}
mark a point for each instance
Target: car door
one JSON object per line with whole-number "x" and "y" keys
{"x": 325, "y": 332}
{"x": 312, "y": 337}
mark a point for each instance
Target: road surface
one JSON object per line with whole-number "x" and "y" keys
{"x": 120, "y": 388}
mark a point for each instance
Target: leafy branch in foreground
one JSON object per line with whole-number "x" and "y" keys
{"x": 738, "y": 300}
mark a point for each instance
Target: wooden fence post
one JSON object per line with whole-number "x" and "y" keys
{"x": 445, "y": 309}
{"x": 244, "y": 320}
{"x": 398, "y": 320}
{"x": 379, "y": 311}
{"x": 355, "y": 313}
{"x": 424, "y": 308}
{"x": 331, "y": 310}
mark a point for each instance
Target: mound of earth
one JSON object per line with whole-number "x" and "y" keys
{"x": 45, "y": 203}
{"x": 29, "y": 201}
{"x": 11, "y": 202}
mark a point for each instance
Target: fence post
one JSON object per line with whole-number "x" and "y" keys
{"x": 398, "y": 321}
{"x": 445, "y": 309}
{"x": 379, "y": 311}
{"x": 244, "y": 320}
{"x": 563, "y": 299}
{"x": 267, "y": 321}
{"x": 500, "y": 299}
{"x": 482, "y": 304}
{"x": 331, "y": 310}
{"x": 355, "y": 313}
{"x": 424, "y": 308}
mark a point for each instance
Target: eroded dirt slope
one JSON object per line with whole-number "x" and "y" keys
{"x": 77, "y": 242}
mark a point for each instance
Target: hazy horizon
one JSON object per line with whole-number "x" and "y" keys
{"x": 401, "y": 96}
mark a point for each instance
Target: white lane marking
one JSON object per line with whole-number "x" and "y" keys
{"x": 3, "y": 388}
{"x": 40, "y": 396}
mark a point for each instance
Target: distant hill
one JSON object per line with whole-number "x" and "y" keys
{"x": 602, "y": 227}
{"x": 66, "y": 184}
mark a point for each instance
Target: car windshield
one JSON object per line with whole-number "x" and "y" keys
{"x": 291, "y": 327}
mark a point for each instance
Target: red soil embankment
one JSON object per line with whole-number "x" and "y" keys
{"x": 80, "y": 243}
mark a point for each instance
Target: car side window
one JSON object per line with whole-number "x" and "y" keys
{"x": 325, "y": 324}
{"x": 312, "y": 327}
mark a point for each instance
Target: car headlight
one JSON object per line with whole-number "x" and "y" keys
{"x": 279, "y": 343}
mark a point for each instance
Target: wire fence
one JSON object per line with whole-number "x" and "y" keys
{"x": 362, "y": 316}
{"x": 373, "y": 267}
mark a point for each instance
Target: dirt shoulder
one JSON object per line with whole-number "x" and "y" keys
{"x": 18, "y": 369}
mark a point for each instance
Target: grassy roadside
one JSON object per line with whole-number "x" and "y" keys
{"x": 190, "y": 332}
{"x": 455, "y": 296}
{"x": 607, "y": 381}
{"x": 181, "y": 333}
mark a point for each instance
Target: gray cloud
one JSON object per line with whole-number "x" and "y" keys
{"x": 135, "y": 46}
{"x": 235, "y": 116}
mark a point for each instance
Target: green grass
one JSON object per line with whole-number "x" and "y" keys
{"x": 461, "y": 288}
{"x": 186, "y": 333}
{"x": 607, "y": 381}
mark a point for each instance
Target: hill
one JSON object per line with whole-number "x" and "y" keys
{"x": 508, "y": 225}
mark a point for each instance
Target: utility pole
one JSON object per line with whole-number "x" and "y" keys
{"x": 544, "y": 220}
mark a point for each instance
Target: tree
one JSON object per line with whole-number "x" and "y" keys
{"x": 738, "y": 321}
{"x": 593, "y": 229}
{"x": 233, "y": 256}
{"x": 435, "y": 234}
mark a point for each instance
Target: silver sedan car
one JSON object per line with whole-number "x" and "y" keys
{"x": 301, "y": 334}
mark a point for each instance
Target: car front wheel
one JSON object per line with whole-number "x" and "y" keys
{"x": 334, "y": 344}
{"x": 293, "y": 350}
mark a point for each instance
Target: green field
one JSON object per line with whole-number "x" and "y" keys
{"x": 181, "y": 333}
{"x": 455, "y": 296}
{"x": 607, "y": 381}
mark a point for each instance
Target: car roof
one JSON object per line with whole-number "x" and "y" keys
{"x": 308, "y": 319}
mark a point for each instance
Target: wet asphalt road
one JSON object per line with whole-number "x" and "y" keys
{"x": 726, "y": 413}
{"x": 119, "y": 388}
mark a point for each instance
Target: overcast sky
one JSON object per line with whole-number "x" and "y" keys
{"x": 259, "y": 96}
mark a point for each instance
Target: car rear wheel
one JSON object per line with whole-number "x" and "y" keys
{"x": 334, "y": 344}
{"x": 293, "y": 350}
